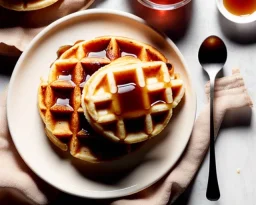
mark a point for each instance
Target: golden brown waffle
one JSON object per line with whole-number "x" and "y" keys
{"x": 130, "y": 101}
{"x": 59, "y": 98}
{"x": 26, "y": 5}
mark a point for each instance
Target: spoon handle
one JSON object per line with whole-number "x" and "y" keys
{"x": 213, "y": 192}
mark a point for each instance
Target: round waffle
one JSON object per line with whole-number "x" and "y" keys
{"x": 130, "y": 101}
{"x": 26, "y": 5}
{"x": 59, "y": 98}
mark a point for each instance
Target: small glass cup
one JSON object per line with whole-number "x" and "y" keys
{"x": 164, "y": 4}
{"x": 171, "y": 18}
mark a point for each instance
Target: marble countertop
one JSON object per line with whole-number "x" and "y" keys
{"x": 236, "y": 143}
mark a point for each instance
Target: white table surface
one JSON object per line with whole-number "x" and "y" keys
{"x": 236, "y": 143}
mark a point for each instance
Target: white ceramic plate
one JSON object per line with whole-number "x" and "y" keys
{"x": 147, "y": 165}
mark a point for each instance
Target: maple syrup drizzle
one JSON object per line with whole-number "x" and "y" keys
{"x": 157, "y": 98}
{"x": 125, "y": 88}
{"x": 63, "y": 97}
{"x": 65, "y": 77}
{"x": 127, "y": 54}
{"x": 99, "y": 54}
{"x": 129, "y": 96}
{"x": 63, "y": 101}
{"x": 158, "y": 102}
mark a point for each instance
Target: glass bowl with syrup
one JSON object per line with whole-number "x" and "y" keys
{"x": 238, "y": 11}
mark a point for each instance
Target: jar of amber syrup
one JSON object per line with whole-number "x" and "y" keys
{"x": 164, "y": 4}
{"x": 170, "y": 16}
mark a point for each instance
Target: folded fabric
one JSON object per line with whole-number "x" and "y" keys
{"x": 19, "y": 184}
{"x": 230, "y": 93}
{"x": 19, "y": 28}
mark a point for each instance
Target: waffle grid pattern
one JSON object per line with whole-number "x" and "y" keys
{"x": 111, "y": 95}
{"x": 60, "y": 96}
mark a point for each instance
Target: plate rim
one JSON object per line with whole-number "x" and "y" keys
{"x": 48, "y": 29}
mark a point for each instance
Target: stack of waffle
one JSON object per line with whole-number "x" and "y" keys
{"x": 106, "y": 96}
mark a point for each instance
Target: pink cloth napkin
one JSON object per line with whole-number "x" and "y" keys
{"x": 18, "y": 28}
{"x": 19, "y": 184}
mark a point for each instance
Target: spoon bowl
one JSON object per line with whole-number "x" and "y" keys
{"x": 212, "y": 51}
{"x": 212, "y": 56}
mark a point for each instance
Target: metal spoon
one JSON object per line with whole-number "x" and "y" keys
{"x": 212, "y": 56}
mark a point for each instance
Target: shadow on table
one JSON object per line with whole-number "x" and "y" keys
{"x": 7, "y": 64}
{"x": 9, "y": 56}
{"x": 239, "y": 33}
{"x": 183, "y": 199}
{"x": 237, "y": 118}
{"x": 174, "y": 23}
{"x": 241, "y": 117}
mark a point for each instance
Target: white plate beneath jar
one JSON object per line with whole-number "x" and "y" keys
{"x": 152, "y": 161}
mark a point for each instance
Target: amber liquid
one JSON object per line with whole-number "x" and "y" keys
{"x": 240, "y": 7}
{"x": 63, "y": 98}
{"x": 129, "y": 96}
{"x": 99, "y": 54}
{"x": 166, "y": 1}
